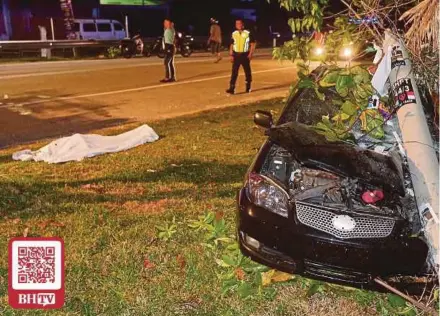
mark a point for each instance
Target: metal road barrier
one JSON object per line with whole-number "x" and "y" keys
{"x": 30, "y": 45}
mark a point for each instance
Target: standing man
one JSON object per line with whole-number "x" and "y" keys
{"x": 215, "y": 39}
{"x": 169, "y": 48}
{"x": 241, "y": 51}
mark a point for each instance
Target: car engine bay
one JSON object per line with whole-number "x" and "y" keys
{"x": 313, "y": 184}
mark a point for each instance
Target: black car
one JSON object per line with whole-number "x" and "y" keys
{"x": 327, "y": 210}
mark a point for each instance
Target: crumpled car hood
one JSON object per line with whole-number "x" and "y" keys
{"x": 311, "y": 148}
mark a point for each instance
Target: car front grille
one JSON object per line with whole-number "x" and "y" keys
{"x": 333, "y": 273}
{"x": 321, "y": 218}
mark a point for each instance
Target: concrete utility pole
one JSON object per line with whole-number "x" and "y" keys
{"x": 67, "y": 9}
{"x": 417, "y": 141}
{"x": 7, "y": 18}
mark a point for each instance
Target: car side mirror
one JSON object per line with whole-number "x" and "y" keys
{"x": 263, "y": 119}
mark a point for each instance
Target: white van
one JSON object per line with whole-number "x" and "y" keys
{"x": 98, "y": 29}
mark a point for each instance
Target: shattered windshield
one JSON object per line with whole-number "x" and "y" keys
{"x": 308, "y": 109}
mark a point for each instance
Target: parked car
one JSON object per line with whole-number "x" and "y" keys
{"x": 100, "y": 29}
{"x": 327, "y": 210}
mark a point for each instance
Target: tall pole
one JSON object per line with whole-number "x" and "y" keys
{"x": 66, "y": 8}
{"x": 127, "y": 33}
{"x": 7, "y": 18}
{"x": 52, "y": 28}
{"x": 417, "y": 141}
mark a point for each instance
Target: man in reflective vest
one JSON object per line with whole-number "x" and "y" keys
{"x": 241, "y": 51}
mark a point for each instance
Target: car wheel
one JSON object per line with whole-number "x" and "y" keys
{"x": 126, "y": 52}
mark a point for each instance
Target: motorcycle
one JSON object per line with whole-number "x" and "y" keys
{"x": 156, "y": 48}
{"x": 184, "y": 46}
{"x": 131, "y": 47}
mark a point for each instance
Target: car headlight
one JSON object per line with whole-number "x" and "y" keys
{"x": 266, "y": 193}
{"x": 319, "y": 51}
{"x": 347, "y": 52}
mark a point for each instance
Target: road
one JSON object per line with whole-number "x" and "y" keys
{"x": 52, "y": 99}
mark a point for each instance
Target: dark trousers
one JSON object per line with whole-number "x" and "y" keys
{"x": 215, "y": 47}
{"x": 241, "y": 59}
{"x": 170, "y": 71}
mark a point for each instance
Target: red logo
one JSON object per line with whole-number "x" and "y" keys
{"x": 36, "y": 273}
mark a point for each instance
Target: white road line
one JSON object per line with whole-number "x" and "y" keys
{"x": 178, "y": 83}
{"x": 51, "y": 73}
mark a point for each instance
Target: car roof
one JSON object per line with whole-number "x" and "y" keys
{"x": 96, "y": 21}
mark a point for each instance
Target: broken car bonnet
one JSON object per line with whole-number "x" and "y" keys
{"x": 311, "y": 148}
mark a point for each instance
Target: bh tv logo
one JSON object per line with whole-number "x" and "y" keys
{"x": 36, "y": 273}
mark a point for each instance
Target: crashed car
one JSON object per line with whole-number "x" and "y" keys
{"x": 330, "y": 211}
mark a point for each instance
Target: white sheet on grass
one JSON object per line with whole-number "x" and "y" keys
{"x": 79, "y": 146}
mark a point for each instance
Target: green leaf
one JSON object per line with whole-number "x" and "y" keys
{"x": 303, "y": 68}
{"x": 340, "y": 117}
{"x": 210, "y": 217}
{"x": 319, "y": 94}
{"x": 337, "y": 102}
{"x": 326, "y": 131}
{"x": 306, "y": 83}
{"x": 409, "y": 311}
{"x": 221, "y": 263}
{"x": 229, "y": 285}
{"x": 225, "y": 239}
{"x": 314, "y": 288}
{"x": 298, "y": 24}
{"x": 291, "y": 23}
{"x": 330, "y": 79}
{"x": 374, "y": 124}
{"x": 228, "y": 260}
{"x": 245, "y": 290}
{"x": 349, "y": 108}
{"x": 233, "y": 247}
{"x": 342, "y": 85}
{"x": 396, "y": 301}
{"x": 208, "y": 246}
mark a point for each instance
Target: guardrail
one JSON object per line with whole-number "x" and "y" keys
{"x": 25, "y": 45}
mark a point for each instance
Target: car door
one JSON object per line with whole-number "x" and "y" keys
{"x": 118, "y": 30}
{"x": 105, "y": 30}
{"x": 89, "y": 31}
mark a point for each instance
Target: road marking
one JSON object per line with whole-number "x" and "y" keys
{"x": 100, "y": 94}
{"x": 117, "y": 64}
{"x": 51, "y": 73}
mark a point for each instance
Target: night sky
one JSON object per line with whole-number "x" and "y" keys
{"x": 184, "y": 13}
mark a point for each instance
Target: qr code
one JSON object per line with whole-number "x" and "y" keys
{"x": 36, "y": 265}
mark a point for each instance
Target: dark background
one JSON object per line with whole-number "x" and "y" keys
{"x": 26, "y": 15}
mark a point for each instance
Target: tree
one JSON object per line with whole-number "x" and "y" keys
{"x": 353, "y": 83}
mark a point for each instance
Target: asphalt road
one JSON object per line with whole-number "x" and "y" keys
{"x": 52, "y": 99}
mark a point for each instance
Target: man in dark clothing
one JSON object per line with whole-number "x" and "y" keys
{"x": 241, "y": 51}
{"x": 168, "y": 45}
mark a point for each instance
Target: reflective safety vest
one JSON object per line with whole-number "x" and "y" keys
{"x": 241, "y": 41}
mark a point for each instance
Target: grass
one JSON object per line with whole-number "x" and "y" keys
{"x": 107, "y": 210}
